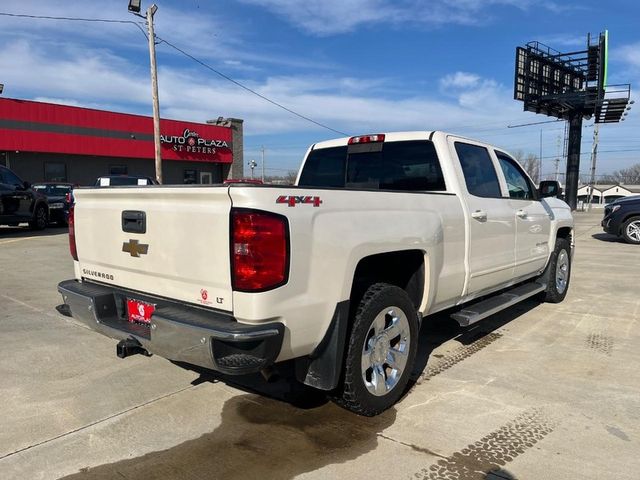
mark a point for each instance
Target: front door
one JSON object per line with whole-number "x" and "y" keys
{"x": 206, "y": 178}
{"x": 532, "y": 220}
{"x": 491, "y": 222}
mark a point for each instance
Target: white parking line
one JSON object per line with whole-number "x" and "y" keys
{"x": 44, "y": 312}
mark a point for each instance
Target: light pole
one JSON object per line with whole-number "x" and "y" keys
{"x": 134, "y": 7}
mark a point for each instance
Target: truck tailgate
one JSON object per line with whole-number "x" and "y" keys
{"x": 183, "y": 253}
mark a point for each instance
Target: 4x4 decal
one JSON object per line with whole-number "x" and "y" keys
{"x": 292, "y": 200}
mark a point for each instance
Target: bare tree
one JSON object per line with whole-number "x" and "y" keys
{"x": 530, "y": 163}
{"x": 630, "y": 176}
{"x": 290, "y": 177}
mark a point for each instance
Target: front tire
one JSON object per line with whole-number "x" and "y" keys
{"x": 40, "y": 218}
{"x": 381, "y": 351}
{"x": 558, "y": 272}
{"x": 631, "y": 231}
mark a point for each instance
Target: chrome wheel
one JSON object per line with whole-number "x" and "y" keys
{"x": 562, "y": 271}
{"x": 633, "y": 231}
{"x": 385, "y": 351}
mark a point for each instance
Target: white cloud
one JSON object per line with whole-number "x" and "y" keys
{"x": 628, "y": 54}
{"x": 103, "y": 80}
{"x": 564, "y": 40}
{"x": 204, "y": 35}
{"x": 460, "y": 80}
{"x": 330, "y": 17}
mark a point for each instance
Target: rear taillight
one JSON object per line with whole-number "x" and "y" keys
{"x": 72, "y": 233}
{"x": 259, "y": 250}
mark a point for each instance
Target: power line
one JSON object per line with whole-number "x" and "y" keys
{"x": 162, "y": 40}
{"x": 75, "y": 19}
{"x": 226, "y": 77}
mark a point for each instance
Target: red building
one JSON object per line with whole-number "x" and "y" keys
{"x": 49, "y": 142}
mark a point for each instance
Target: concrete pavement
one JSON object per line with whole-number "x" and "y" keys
{"x": 539, "y": 391}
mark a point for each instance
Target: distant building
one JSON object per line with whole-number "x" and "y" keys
{"x": 50, "y": 142}
{"x": 603, "y": 194}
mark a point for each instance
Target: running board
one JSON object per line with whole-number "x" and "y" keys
{"x": 475, "y": 312}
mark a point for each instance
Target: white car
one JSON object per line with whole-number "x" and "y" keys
{"x": 380, "y": 232}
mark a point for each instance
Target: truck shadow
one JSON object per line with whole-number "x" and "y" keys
{"x": 257, "y": 438}
{"x": 441, "y": 328}
{"x": 607, "y": 237}
{"x": 282, "y": 386}
{"x": 434, "y": 332}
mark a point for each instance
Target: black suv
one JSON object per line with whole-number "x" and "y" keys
{"x": 622, "y": 218}
{"x": 20, "y": 203}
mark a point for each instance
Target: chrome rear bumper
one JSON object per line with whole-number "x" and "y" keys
{"x": 209, "y": 339}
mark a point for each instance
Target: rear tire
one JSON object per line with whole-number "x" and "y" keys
{"x": 40, "y": 218}
{"x": 631, "y": 231}
{"x": 558, "y": 272}
{"x": 381, "y": 351}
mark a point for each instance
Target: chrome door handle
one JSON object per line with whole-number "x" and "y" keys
{"x": 521, "y": 214}
{"x": 479, "y": 215}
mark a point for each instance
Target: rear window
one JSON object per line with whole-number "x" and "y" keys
{"x": 404, "y": 166}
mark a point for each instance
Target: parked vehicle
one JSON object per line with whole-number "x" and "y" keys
{"x": 622, "y": 219}
{"x": 58, "y": 196}
{"x": 20, "y": 203}
{"x": 122, "y": 180}
{"x": 336, "y": 273}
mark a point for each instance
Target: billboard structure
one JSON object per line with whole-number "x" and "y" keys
{"x": 570, "y": 86}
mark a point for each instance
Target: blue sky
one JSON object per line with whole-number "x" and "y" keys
{"x": 358, "y": 66}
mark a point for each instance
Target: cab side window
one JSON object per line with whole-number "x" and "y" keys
{"x": 518, "y": 184}
{"x": 479, "y": 172}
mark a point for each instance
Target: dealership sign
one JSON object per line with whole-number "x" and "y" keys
{"x": 191, "y": 142}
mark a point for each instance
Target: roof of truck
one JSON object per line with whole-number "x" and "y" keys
{"x": 389, "y": 136}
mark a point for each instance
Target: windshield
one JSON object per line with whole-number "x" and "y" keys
{"x": 53, "y": 190}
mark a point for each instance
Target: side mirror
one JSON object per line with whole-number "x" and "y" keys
{"x": 26, "y": 185}
{"x": 550, "y": 188}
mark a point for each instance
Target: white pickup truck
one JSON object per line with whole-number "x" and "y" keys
{"x": 336, "y": 273}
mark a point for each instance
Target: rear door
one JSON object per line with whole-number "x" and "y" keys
{"x": 166, "y": 241}
{"x": 532, "y": 220}
{"x": 491, "y": 222}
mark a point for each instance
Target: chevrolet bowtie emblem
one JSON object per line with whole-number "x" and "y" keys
{"x": 135, "y": 248}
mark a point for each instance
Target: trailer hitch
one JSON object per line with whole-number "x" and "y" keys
{"x": 130, "y": 346}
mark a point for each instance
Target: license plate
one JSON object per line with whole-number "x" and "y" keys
{"x": 138, "y": 311}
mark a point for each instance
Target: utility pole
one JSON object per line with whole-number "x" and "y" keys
{"x": 262, "y": 151}
{"x": 154, "y": 92}
{"x": 594, "y": 154}
{"x": 573, "y": 159}
{"x": 540, "y": 161}
{"x": 558, "y": 160}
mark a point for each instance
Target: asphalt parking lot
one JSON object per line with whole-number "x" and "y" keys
{"x": 538, "y": 392}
